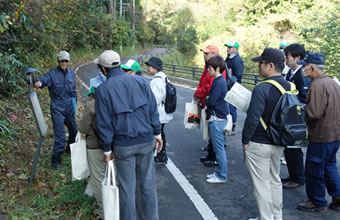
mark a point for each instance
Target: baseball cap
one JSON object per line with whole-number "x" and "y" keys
{"x": 92, "y": 90}
{"x": 108, "y": 58}
{"x": 210, "y": 48}
{"x": 233, "y": 44}
{"x": 271, "y": 55}
{"x": 314, "y": 58}
{"x": 131, "y": 65}
{"x": 63, "y": 55}
{"x": 283, "y": 44}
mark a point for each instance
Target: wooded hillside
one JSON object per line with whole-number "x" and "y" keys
{"x": 32, "y": 31}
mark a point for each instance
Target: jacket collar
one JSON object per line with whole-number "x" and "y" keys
{"x": 115, "y": 72}
{"x": 159, "y": 74}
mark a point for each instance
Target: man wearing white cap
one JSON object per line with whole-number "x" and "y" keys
{"x": 127, "y": 119}
{"x": 61, "y": 83}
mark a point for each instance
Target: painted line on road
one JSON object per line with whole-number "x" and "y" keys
{"x": 195, "y": 198}
{"x": 81, "y": 81}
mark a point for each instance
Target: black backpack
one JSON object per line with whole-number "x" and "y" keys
{"x": 287, "y": 125}
{"x": 170, "y": 102}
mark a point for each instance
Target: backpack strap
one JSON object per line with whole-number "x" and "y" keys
{"x": 292, "y": 91}
{"x": 165, "y": 81}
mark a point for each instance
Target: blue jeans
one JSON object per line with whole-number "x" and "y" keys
{"x": 321, "y": 172}
{"x": 218, "y": 140}
{"x": 233, "y": 112}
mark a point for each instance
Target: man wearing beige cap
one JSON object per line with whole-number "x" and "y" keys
{"x": 61, "y": 83}
{"x": 201, "y": 94}
{"x": 128, "y": 120}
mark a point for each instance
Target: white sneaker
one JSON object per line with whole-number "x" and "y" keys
{"x": 283, "y": 161}
{"x": 215, "y": 179}
{"x": 211, "y": 175}
{"x": 257, "y": 218}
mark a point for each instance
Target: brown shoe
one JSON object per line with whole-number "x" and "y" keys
{"x": 290, "y": 185}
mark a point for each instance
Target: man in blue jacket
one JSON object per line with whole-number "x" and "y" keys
{"x": 235, "y": 66}
{"x": 61, "y": 85}
{"x": 293, "y": 154}
{"x": 127, "y": 118}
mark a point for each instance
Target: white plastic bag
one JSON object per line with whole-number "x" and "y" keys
{"x": 192, "y": 116}
{"x": 206, "y": 134}
{"x": 80, "y": 167}
{"x": 229, "y": 126}
{"x": 110, "y": 193}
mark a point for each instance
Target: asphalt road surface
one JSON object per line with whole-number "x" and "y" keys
{"x": 183, "y": 192}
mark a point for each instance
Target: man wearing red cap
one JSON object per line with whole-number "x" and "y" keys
{"x": 202, "y": 92}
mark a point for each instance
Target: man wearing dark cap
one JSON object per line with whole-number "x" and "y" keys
{"x": 262, "y": 156}
{"x": 61, "y": 83}
{"x": 158, "y": 87}
{"x": 323, "y": 121}
{"x": 127, "y": 118}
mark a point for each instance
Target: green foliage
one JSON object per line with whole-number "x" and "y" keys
{"x": 6, "y": 129}
{"x": 322, "y": 35}
{"x": 10, "y": 71}
{"x": 32, "y": 32}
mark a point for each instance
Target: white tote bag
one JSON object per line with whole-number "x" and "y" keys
{"x": 110, "y": 193}
{"x": 229, "y": 126}
{"x": 192, "y": 116}
{"x": 80, "y": 167}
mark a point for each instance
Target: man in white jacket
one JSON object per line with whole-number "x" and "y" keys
{"x": 158, "y": 87}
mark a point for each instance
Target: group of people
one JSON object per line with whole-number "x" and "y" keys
{"x": 317, "y": 93}
{"x": 125, "y": 119}
{"x": 124, "y": 111}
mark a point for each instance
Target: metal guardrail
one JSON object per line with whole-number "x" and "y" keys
{"x": 194, "y": 73}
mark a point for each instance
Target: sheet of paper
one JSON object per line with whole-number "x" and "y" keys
{"x": 239, "y": 96}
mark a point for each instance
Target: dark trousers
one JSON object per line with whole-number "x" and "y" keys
{"x": 294, "y": 159}
{"x": 321, "y": 172}
{"x": 211, "y": 152}
{"x": 59, "y": 119}
{"x": 233, "y": 112}
{"x": 162, "y": 154}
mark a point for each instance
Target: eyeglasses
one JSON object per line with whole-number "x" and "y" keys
{"x": 63, "y": 61}
{"x": 126, "y": 70}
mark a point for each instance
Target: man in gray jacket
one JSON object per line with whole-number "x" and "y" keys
{"x": 127, "y": 118}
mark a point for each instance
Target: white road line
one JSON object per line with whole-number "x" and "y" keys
{"x": 195, "y": 198}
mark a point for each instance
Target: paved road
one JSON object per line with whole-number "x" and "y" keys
{"x": 183, "y": 192}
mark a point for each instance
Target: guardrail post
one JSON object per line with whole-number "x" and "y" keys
{"x": 256, "y": 79}
{"x": 193, "y": 73}
{"x": 174, "y": 68}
